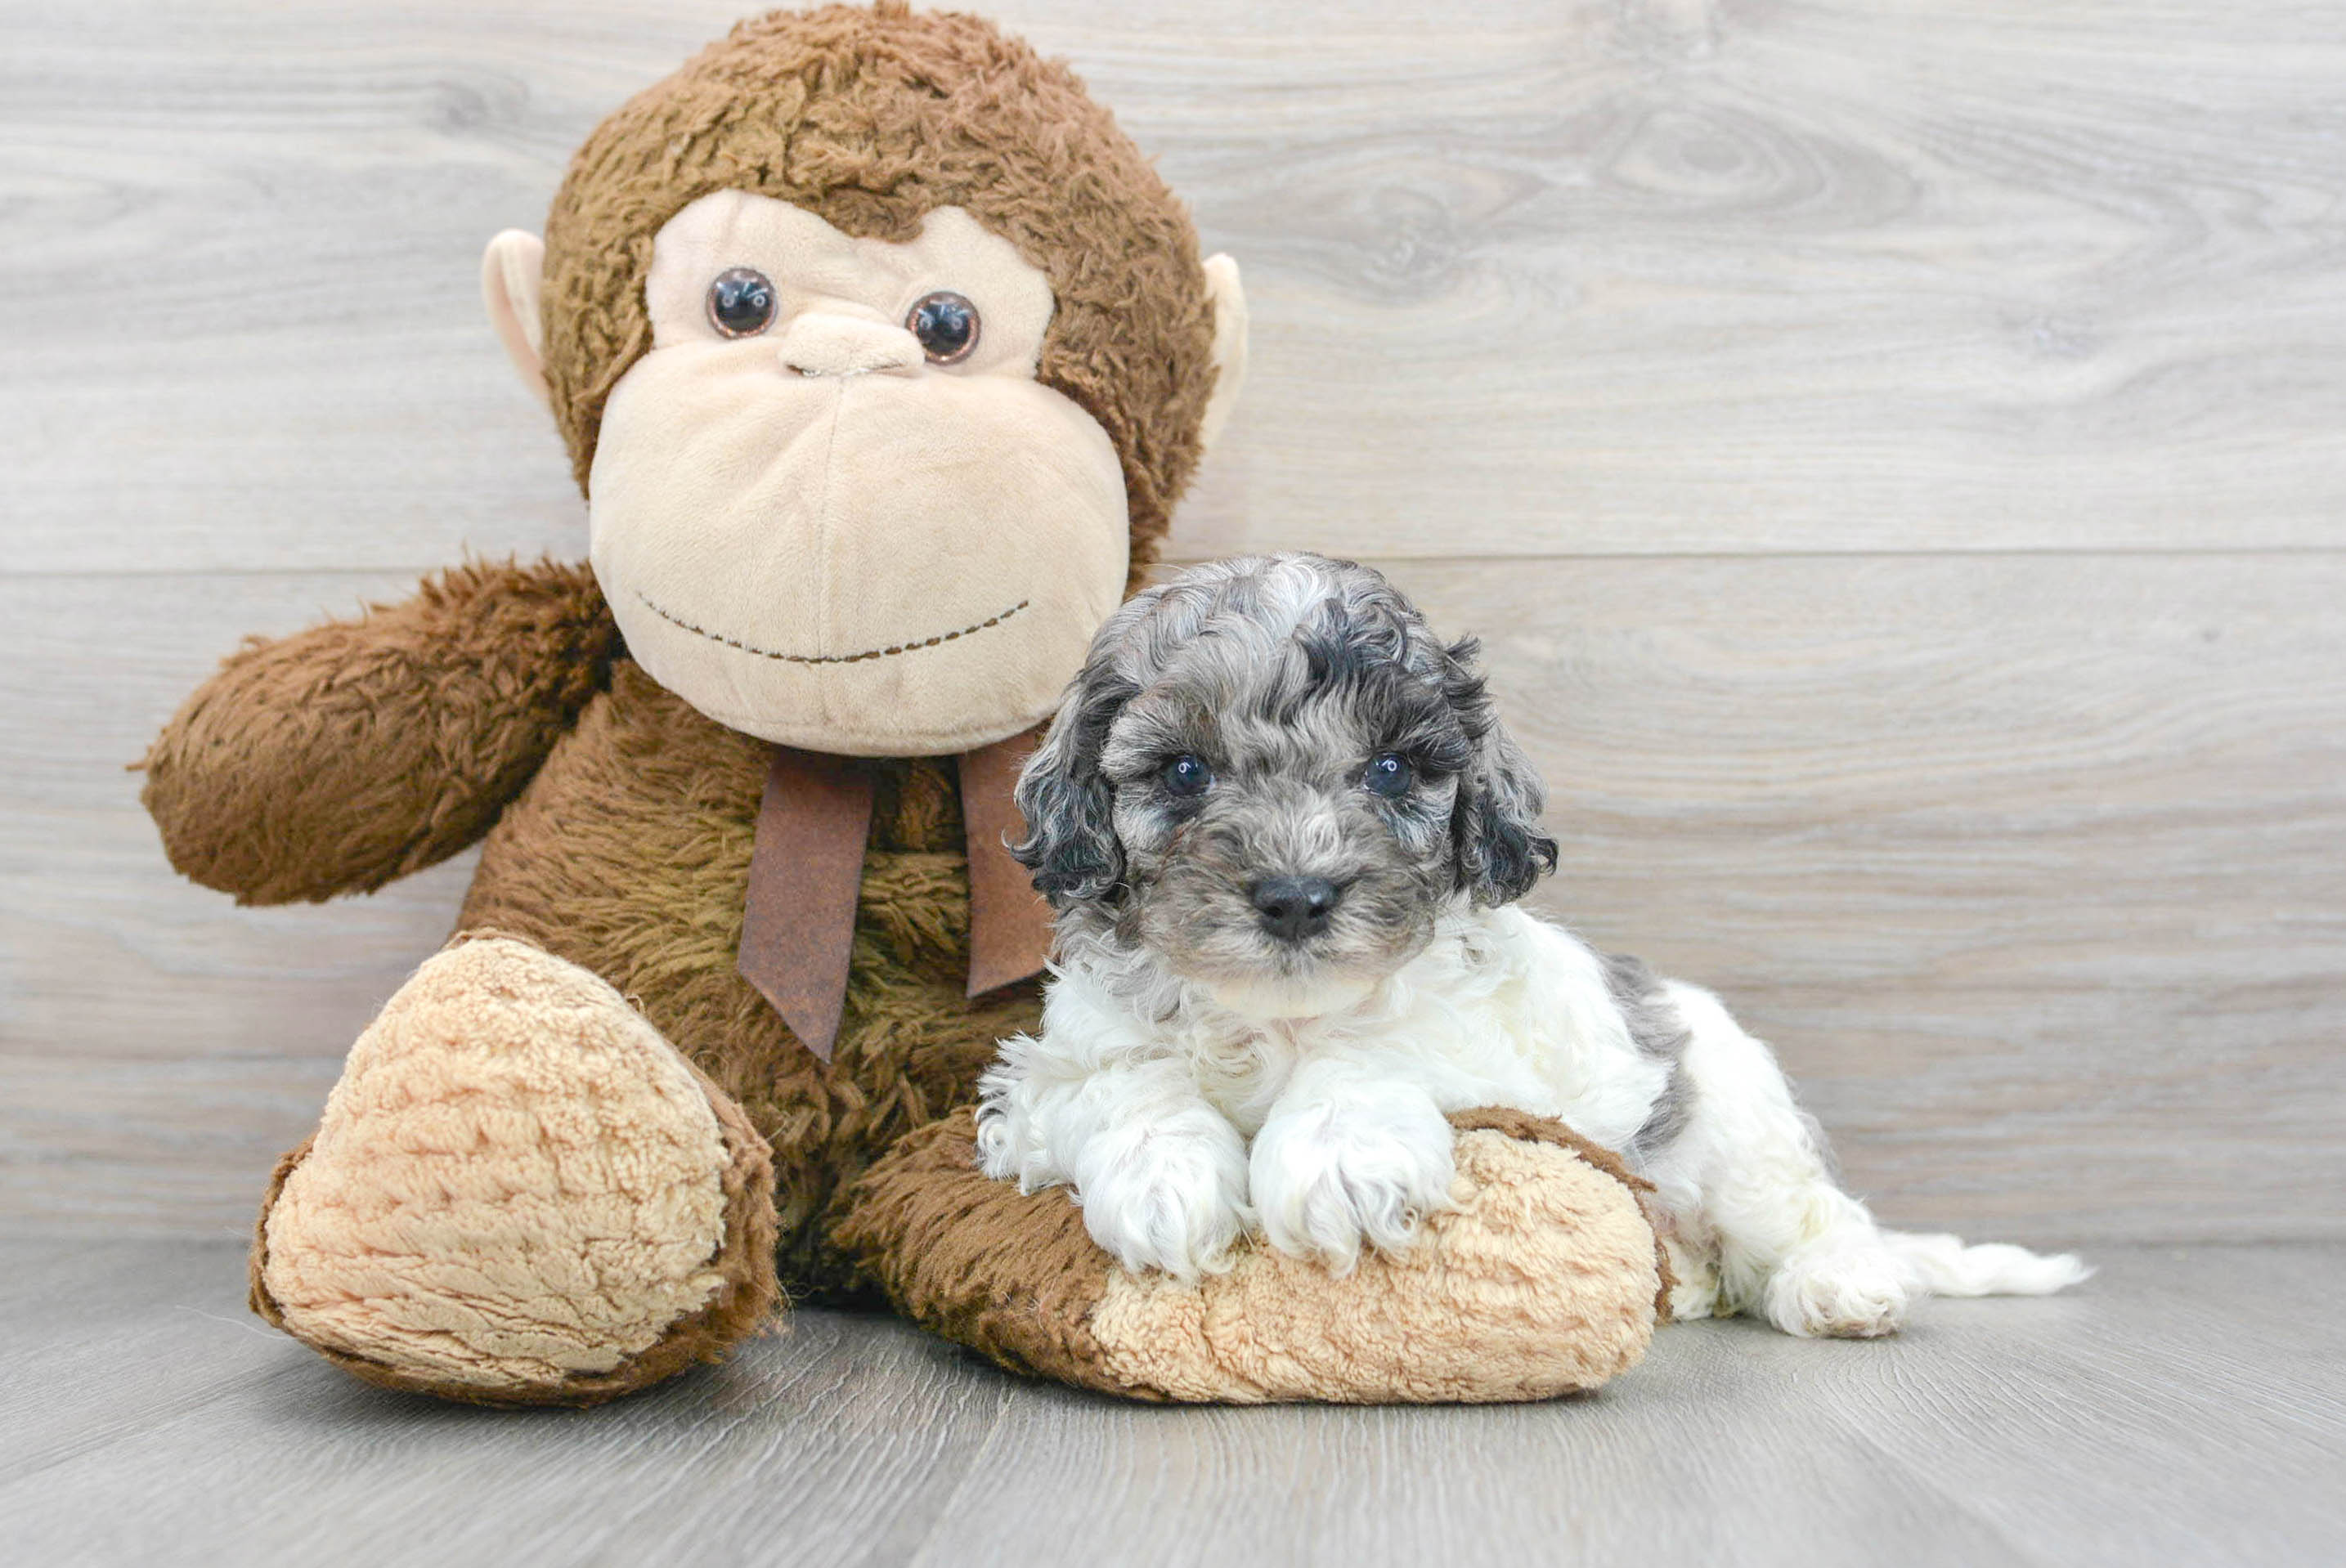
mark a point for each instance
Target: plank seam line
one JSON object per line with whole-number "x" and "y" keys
{"x": 1463, "y": 558}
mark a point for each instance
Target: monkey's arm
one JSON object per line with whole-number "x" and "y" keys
{"x": 340, "y": 757}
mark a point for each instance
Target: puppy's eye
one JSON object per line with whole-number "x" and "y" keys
{"x": 946, "y": 324}
{"x": 1187, "y": 775}
{"x": 741, "y": 302}
{"x": 1388, "y": 775}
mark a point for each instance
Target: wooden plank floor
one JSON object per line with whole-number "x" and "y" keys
{"x": 2187, "y": 1406}
{"x": 1890, "y": 449}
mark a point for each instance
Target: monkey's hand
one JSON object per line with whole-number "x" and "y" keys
{"x": 337, "y": 759}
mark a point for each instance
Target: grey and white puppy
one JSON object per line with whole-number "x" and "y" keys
{"x": 1284, "y": 831}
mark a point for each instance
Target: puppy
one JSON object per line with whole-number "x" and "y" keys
{"x": 1284, "y": 833}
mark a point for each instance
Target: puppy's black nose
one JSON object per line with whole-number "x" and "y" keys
{"x": 1295, "y": 906}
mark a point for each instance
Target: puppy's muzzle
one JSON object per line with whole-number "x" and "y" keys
{"x": 1294, "y": 908}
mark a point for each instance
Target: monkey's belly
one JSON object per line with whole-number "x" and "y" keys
{"x": 629, "y": 855}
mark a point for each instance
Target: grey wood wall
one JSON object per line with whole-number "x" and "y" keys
{"x": 1893, "y": 450}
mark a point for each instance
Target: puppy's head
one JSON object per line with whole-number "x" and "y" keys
{"x": 1273, "y": 777}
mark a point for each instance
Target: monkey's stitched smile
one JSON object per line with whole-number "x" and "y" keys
{"x": 888, "y": 652}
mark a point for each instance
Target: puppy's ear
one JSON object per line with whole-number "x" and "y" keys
{"x": 1495, "y": 826}
{"x": 1071, "y": 844}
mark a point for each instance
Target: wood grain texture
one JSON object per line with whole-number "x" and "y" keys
{"x": 1892, "y": 450}
{"x": 2032, "y": 869}
{"x": 2185, "y": 1408}
{"x": 1554, "y": 278}
{"x": 2035, "y": 871}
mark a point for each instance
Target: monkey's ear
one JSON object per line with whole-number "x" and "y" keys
{"x": 1223, "y": 289}
{"x": 512, "y": 269}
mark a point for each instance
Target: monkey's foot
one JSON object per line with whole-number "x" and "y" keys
{"x": 1542, "y": 1281}
{"x": 520, "y": 1193}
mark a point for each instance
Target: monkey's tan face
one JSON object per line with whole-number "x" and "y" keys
{"x": 832, "y": 507}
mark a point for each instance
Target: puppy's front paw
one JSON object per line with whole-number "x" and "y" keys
{"x": 1851, "y": 1292}
{"x": 1169, "y": 1197}
{"x": 1325, "y": 1180}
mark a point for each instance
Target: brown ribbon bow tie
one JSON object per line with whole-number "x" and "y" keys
{"x": 806, "y": 867}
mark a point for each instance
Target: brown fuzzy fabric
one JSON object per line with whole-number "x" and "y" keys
{"x": 743, "y": 1305}
{"x": 336, "y": 759}
{"x": 1524, "y": 1124}
{"x": 630, "y": 856}
{"x": 1015, "y": 1276}
{"x": 619, "y": 823}
{"x": 1012, "y": 1275}
{"x": 870, "y": 119}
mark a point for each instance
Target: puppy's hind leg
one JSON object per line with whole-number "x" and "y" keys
{"x": 1793, "y": 1246}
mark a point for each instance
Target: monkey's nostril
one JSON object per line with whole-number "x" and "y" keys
{"x": 1295, "y": 906}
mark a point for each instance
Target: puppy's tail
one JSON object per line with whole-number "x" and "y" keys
{"x": 1949, "y": 1269}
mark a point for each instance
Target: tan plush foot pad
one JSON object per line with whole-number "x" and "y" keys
{"x": 520, "y": 1193}
{"x": 1543, "y": 1281}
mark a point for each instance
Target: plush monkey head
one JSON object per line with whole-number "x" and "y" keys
{"x": 883, "y": 356}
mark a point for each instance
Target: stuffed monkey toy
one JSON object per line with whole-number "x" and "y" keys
{"x": 881, "y": 356}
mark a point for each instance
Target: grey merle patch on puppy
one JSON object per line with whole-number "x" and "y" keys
{"x": 1276, "y": 780}
{"x": 1284, "y": 831}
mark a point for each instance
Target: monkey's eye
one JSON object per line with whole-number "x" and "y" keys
{"x": 1388, "y": 775}
{"x": 741, "y": 302}
{"x": 1187, "y": 775}
{"x": 946, "y": 324}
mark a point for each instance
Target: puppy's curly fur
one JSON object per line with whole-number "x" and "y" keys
{"x": 1284, "y": 831}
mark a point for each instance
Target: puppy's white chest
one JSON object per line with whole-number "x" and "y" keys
{"x": 1242, "y": 1075}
